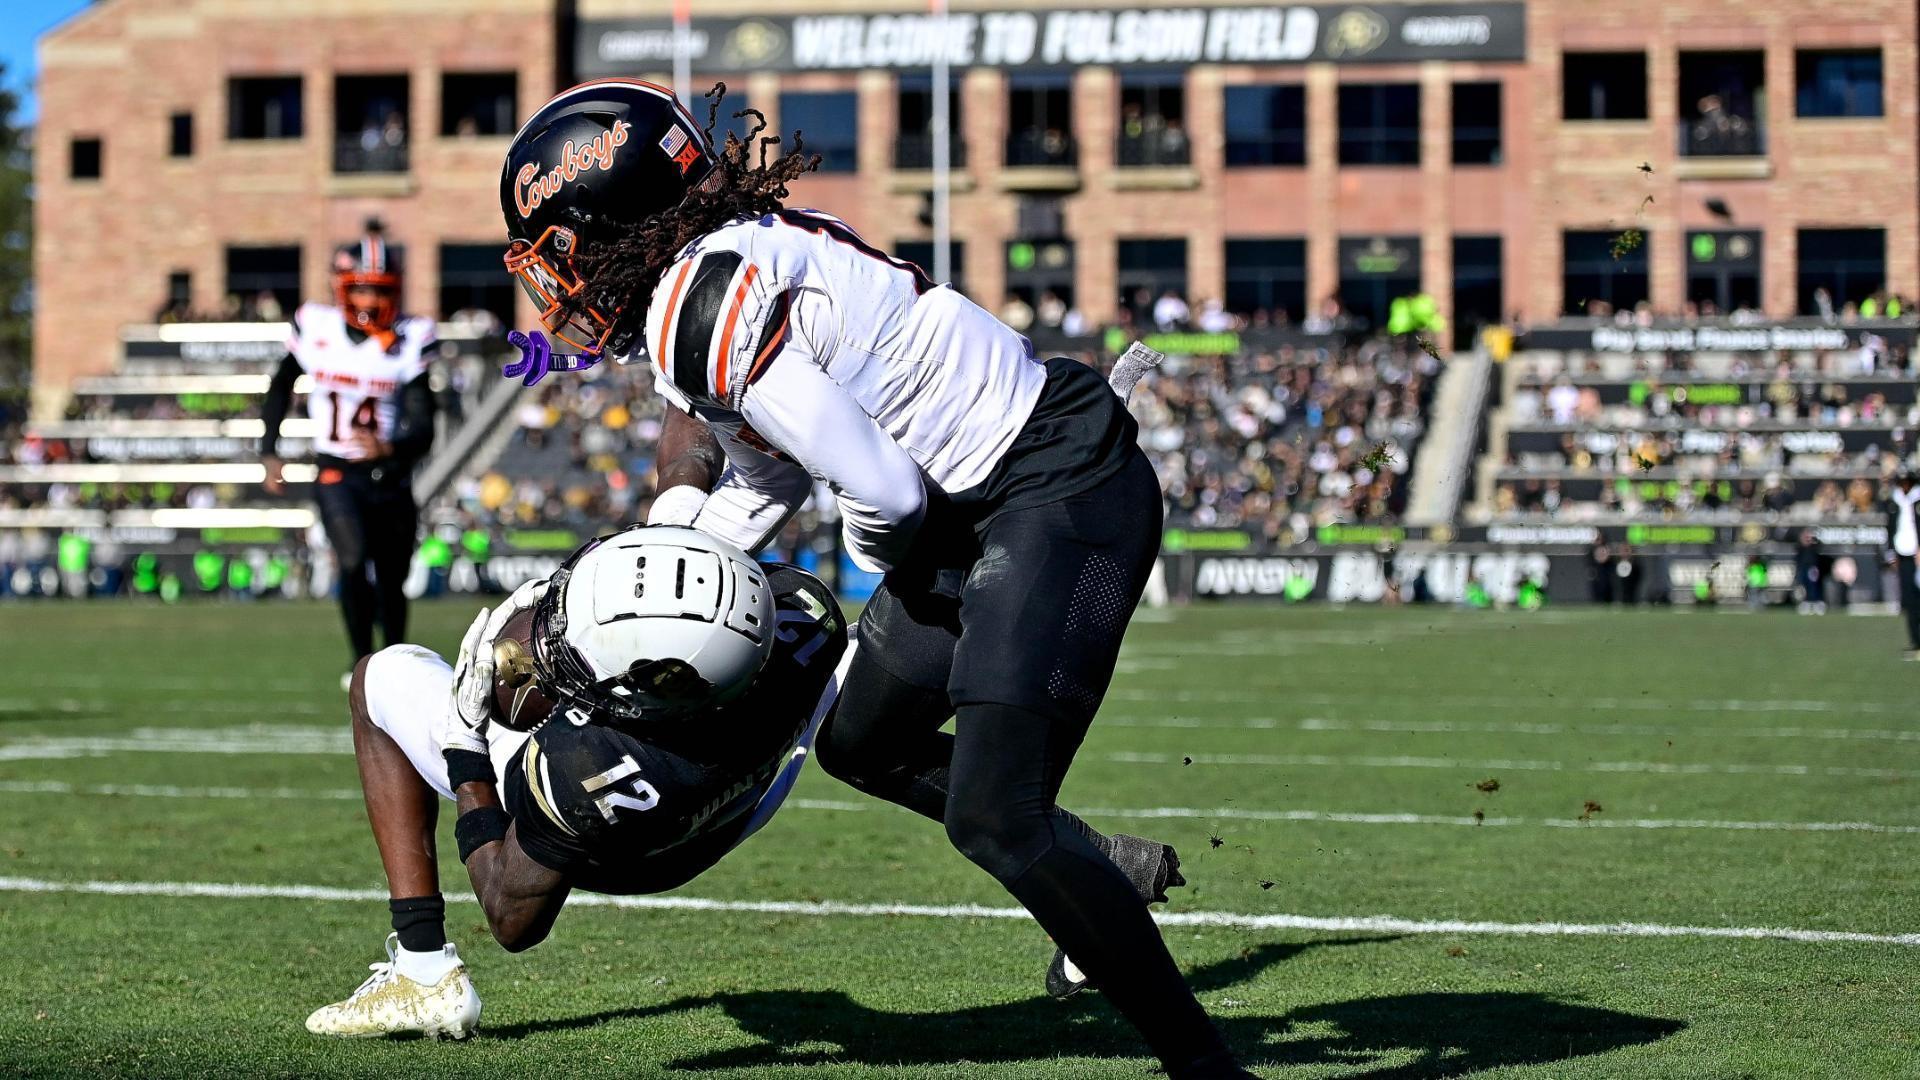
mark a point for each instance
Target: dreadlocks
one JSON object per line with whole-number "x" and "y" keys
{"x": 623, "y": 268}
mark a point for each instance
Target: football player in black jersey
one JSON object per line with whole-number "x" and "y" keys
{"x": 680, "y": 684}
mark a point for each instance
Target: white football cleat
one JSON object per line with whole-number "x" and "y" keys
{"x": 411, "y": 994}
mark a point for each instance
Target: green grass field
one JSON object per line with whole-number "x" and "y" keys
{"x": 1337, "y": 766}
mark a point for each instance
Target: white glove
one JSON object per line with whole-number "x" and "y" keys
{"x": 465, "y": 725}
{"x": 678, "y": 505}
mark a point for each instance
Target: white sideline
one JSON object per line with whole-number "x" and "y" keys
{"x": 1499, "y": 765}
{"x": 1388, "y": 924}
{"x": 1223, "y": 813}
{"x": 1450, "y": 727}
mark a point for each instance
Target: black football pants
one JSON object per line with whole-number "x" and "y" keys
{"x": 372, "y": 526}
{"x": 1021, "y": 657}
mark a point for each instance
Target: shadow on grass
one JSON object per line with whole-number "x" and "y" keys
{"x": 1405, "y": 1036}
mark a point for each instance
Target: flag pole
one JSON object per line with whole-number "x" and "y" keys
{"x": 942, "y": 150}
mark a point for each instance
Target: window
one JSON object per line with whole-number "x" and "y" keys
{"x": 1266, "y": 125}
{"x": 1041, "y": 269}
{"x": 1150, "y": 270}
{"x": 1722, "y": 104}
{"x": 266, "y": 108}
{"x": 370, "y": 124}
{"x": 1603, "y": 271}
{"x": 255, "y": 270}
{"x": 1267, "y": 276}
{"x": 1840, "y": 82}
{"x": 1476, "y": 123}
{"x": 1153, "y": 121}
{"x": 737, "y": 101}
{"x": 1603, "y": 85}
{"x": 1478, "y": 296}
{"x": 84, "y": 159}
{"x": 478, "y": 104}
{"x": 471, "y": 279}
{"x": 180, "y": 135}
{"x": 913, "y": 146}
{"x": 1040, "y": 120}
{"x": 179, "y": 305}
{"x": 920, "y": 253}
{"x": 1723, "y": 271}
{"x": 1376, "y": 270}
{"x": 1380, "y": 124}
{"x": 831, "y": 124}
{"x": 1848, "y": 265}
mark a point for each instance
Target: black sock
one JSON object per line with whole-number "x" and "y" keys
{"x": 421, "y": 922}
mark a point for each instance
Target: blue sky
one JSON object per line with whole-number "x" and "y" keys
{"x": 21, "y": 23}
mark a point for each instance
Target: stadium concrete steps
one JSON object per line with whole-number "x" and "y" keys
{"x": 1441, "y": 471}
{"x": 1499, "y": 420}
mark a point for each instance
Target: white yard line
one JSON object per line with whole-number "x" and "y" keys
{"x": 1418, "y": 727}
{"x": 1383, "y": 924}
{"x": 1218, "y": 813}
{"x": 1402, "y": 761}
{"x": 27, "y": 708}
{"x": 1522, "y": 698}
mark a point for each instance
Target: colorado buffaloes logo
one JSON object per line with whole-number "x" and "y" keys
{"x": 530, "y": 189}
{"x": 1355, "y": 32}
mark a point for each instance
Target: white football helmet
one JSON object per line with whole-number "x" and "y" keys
{"x": 653, "y": 621}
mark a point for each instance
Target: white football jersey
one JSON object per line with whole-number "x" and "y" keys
{"x": 791, "y": 335}
{"x": 356, "y": 384}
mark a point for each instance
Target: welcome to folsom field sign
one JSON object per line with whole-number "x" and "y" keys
{"x": 1066, "y": 37}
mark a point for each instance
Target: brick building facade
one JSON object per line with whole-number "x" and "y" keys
{"x": 1760, "y": 149}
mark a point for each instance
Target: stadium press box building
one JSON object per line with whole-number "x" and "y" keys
{"x": 1530, "y": 159}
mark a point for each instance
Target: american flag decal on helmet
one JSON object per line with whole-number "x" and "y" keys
{"x": 673, "y": 140}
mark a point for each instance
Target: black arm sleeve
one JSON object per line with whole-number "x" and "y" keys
{"x": 413, "y": 432}
{"x": 279, "y": 400}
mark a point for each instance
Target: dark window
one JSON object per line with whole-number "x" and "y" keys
{"x": 1036, "y": 268}
{"x": 1040, "y": 120}
{"x": 1722, "y": 103}
{"x": 1267, "y": 275}
{"x": 1153, "y": 121}
{"x": 267, "y": 108}
{"x": 1380, "y": 124}
{"x": 1375, "y": 271}
{"x": 471, "y": 279}
{"x": 1839, "y": 82}
{"x": 913, "y": 147}
{"x": 1150, "y": 269}
{"x": 1723, "y": 271}
{"x": 370, "y": 123}
{"x": 254, "y": 270}
{"x": 478, "y": 104}
{"x": 737, "y": 102}
{"x": 84, "y": 159}
{"x": 1604, "y": 271}
{"x": 1603, "y": 85}
{"x": 1476, "y": 123}
{"x": 1478, "y": 296}
{"x": 1266, "y": 125}
{"x": 180, "y": 135}
{"x": 1850, "y": 264}
{"x": 920, "y": 253}
{"x": 179, "y": 305}
{"x": 831, "y": 123}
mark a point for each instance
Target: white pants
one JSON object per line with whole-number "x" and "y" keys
{"x": 408, "y": 689}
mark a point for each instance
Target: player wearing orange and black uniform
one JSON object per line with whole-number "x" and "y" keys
{"x": 373, "y": 408}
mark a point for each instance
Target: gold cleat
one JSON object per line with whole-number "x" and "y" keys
{"x": 397, "y": 999}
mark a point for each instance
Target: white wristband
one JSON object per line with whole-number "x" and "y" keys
{"x": 678, "y": 505}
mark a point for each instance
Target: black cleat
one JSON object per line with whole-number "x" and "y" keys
{"x": 1153, "y": 867}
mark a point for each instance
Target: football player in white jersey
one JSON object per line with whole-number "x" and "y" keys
{"x": 373, "y": 405}
{"x": 1003, "y": 495}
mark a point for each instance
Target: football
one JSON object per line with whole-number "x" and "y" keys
{"x": 518, "y": 703}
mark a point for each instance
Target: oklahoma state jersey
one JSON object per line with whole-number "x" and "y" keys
{"x": 356, "y": 384}
{"x": 793, "y": 335}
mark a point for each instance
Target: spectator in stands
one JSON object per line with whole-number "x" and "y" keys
{"x": 1017, "y": 313}
{"x": 1170, "y": 312}
{"x": 1051, "y": 311}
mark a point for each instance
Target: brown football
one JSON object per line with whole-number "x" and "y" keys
{"x": 518, "y": 703}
